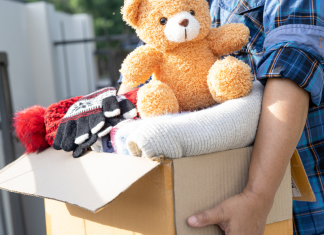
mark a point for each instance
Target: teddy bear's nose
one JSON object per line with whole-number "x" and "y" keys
{"x": 184, "y": 22}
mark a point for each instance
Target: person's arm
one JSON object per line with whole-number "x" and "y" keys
{"x": 283, "y": 116}
{"x": 124, "y": 89}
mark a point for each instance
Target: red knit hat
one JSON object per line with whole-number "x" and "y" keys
{"x": 36, "y": 126}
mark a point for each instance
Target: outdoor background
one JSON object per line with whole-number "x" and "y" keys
{"x": 105, "y": 13}
{"x": 107, "y": 20}
{"x": 50, "y": 51}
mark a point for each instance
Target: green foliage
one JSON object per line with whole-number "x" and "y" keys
{"x": 105, "y": 13}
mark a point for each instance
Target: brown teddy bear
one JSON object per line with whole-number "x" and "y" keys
{"x": 183, "y": 52}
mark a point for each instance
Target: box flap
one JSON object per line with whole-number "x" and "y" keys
{"x": 145, "y": 208}
{"x": 90, "y": 182}
{"x": 224, "y": 174}
{"x": 301, "y": 188}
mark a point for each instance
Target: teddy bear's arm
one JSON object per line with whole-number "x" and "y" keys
{"x": 140, "y": 65}
{"x": 228, "y": 38}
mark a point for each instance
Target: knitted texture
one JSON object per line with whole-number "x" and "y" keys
{"x": 132, "y": 96}
{"x": 125, "y": 107}
{"x": 86, "y": 117}
{"x": 119, "y": 134}
{"x": 36, "y": 127}
{"x": 127, "y": 110}
{"x": 226, "y": 126}
{"x": 53, "y": 116}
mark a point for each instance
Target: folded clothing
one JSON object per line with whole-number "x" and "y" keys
{"x": 119, "y": 134}
{"x": 103, "y": 144}
{"x": 225, "y": 126}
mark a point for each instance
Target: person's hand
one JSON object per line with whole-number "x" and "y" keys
{"x": 243, "y": 214}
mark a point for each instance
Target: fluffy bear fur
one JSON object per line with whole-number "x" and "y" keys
{"x": 181, "y": 69}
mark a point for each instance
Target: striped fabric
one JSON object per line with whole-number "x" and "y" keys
{"x": 287, "y": 42}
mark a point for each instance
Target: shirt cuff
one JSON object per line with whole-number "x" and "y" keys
{"x": 120, "y": 80}
{"x": 296, "y": 64}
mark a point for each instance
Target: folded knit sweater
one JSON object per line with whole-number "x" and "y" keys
{"x": 225, "y": 126}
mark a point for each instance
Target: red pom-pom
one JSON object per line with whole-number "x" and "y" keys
{"x": 30, "y": 128}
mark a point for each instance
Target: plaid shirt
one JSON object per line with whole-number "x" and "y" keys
{"x": 286, "y": 42}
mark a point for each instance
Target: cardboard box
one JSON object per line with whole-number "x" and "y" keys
{"x": 112, "y": 194}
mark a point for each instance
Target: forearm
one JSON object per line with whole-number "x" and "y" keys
{"x": 283, "y": 116}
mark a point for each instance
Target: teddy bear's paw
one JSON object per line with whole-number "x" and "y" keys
{"x": 229, "y": 79}
{"x": 155, "y": 99}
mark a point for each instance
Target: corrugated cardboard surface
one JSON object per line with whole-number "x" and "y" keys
{"x": 145, "y": 208}
{"x": 279, "y": 228}
{"x": 298, "y": 173}
{"x": 65, "y": 223}
{"x": 204, "y": 181}
{"x": 89, "y": 182}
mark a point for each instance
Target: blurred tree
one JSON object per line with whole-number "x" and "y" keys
{"x": 106, "y": 13}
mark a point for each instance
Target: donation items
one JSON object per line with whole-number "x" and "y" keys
{"x": 182, "y": 52}
{"x": 74, "y": 124}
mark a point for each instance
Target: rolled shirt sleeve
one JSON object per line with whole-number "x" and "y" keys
{"x": 296, "y": 62}
{"x": 293, "y": 45}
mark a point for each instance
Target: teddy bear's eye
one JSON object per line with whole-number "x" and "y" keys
{"x": 192, "y": 12}
{"x": 163, "y": 21}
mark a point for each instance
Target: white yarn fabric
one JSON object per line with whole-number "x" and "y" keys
{"x": 226, "y": 126}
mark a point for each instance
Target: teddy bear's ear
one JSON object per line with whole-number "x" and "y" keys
{"x": 130, "y": 11}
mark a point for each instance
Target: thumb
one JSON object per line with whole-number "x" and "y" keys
{"x": 207, "y": 217}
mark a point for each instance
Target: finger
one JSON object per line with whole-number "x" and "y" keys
{"x": 110, "y": 107}
{"x": 115, "y": 120}
{"x": 59, "y": 137}
{"x": 78, "y": 152}
{"x": 128, "y": 109}
{"x": 83, "y": 130}
{"x": 83, "y": 147}
{"x": 208, "y": 217}
{"x": 96, "y": 122}
{"x": 69, "y": 136}
{"x": 105, "y": 130}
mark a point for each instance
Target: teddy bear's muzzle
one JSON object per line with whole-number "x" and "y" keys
{"x": 182, "y": 27}
{"x": 184, "y": 22}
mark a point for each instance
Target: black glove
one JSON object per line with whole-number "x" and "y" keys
{"x": 86, "y": 117}
{"x": 127, "y": 111}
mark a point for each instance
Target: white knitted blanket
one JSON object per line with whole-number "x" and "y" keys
{"x": 226, "y": 126}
